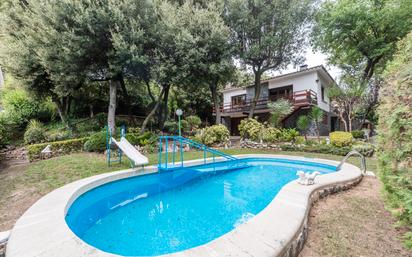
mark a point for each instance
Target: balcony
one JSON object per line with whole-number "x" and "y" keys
{"x": 303, "y": 98}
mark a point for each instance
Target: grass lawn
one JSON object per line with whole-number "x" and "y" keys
{"x": 22, "y": 185}
{"x": 53, "y": 173}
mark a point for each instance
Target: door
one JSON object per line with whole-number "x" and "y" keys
{"x": 234, "y": 126}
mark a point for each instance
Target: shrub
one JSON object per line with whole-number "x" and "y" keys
{"x": 251, "y": 129}
{"x": 270, "y": 135}
{"x": 133, "y": 130}
{"x": 193, "y": 122}
{"x": 303, "y": 124}
{"x": 147, "y": 138}
{"x": 311, "y": 142}
{"x": 279, "y": 110}
{"x": 87, "y": 127}
{"x": 35, "y": 132}
{"x": 101, "y": 119}
{"x": 288, "y": 135}
{"x": 214, "y": 135}
{"x": 365, "y": 149}
{"x": 318, "y": 148}
{"x": 171, "y": 127}
{"x": 96, "y": 142}
{"x": 58, "y": 148}
{"x": 20, "y": 107}
{"x": 300, "y": 140}
{"x": 5, "y": 129}
{"x": 395, "y": 135}
{"x": 359, "y": 134}
{"x": 340, "y": 138}
{"x": 58, "y": 135}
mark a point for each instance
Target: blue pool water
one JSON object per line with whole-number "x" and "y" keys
{"x": 176, "y": 210}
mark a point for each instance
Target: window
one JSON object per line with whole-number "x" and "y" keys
{"x": 322, "y": 93}
{"x": 238, "y": 100}
{"x": 281, "y": 93}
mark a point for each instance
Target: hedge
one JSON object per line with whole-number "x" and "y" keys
{"x": 395, "y": 135}
{"x": 58, "y": 147}
{"x": 340, "y": 138}
{"x": 366, "y": 149}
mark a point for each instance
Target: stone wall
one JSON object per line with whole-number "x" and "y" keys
{"x": 294, "y": 247}
{"x": 256, "y": 145}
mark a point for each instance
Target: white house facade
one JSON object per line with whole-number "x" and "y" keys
{"x": 304, "y": 88}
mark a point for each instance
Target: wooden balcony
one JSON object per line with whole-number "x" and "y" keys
{"x": 299, "y": 99}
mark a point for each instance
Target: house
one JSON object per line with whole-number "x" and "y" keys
{"x": 304, "y": 88}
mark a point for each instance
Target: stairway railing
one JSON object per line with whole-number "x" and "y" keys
{"x": 178, "y": 143}
{"x": 351, "y": 153}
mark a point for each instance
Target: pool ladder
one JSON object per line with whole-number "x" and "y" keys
{"x": 351, "y": 153}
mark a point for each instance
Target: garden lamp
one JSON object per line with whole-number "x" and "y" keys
{"x": 179, "y": 113}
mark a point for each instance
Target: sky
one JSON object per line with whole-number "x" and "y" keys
{"x": 314, "y": 59}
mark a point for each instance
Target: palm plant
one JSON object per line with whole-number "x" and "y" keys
{"x": 303, "y": 124}
{"x": 316, "y": 115}
{"x": 279, "y": 110}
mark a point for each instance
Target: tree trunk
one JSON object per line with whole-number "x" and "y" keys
{"x": 216, "y": 103}
{"x": 149, "y": 91}
{"x": 111, "y": 116}
{"x": 67, "y": 101}
{"x": 258, "y": 75}
{"x": 152, "y": 112}
{"x": 164, "y": 110}
{"x": 60, "y": 109}
{"x": 125, "y": 94}
{"x": 350, "y": 118}
{"x": 373, "y": 102}
{"x": 91, "y": 110}
{"x": 344, "y": 121}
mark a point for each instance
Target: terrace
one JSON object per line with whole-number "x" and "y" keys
{"x": 302, "y": 98}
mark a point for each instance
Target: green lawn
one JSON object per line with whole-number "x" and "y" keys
{"x": 53, "y": 173}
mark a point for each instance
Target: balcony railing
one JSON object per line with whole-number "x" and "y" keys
{"x": 299, "y": 99}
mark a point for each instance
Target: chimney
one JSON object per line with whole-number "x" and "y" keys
{"x": 303, "y": 67}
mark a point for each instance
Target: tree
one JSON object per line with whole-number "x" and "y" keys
{"x": 191, "y": 52}
{"x": 348, "y": 99}
{"x": 209, "y": 51}
{"x": 267, "y": 35}
{"x": 361, "y": 36}
{"x": 303, "y": 124}
{"x": 167, "y": 64}
{"x": 316, "y": 115}
{"x": 84, "y": 41}
{"x": 279, "y": 110}
{"x": 19, "y": 57}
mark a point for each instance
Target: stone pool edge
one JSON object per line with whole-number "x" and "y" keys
{"x": 278, "y": 230}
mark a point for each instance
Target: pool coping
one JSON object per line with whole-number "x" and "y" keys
{"x": 278, "y": 230}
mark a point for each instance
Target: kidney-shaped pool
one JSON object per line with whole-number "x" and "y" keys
{"x": 171, "y": 211}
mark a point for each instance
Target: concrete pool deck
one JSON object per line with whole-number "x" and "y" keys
{"x": 278, "y": 230}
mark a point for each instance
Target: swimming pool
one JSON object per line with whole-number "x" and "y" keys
{"x": 173, "y": 211}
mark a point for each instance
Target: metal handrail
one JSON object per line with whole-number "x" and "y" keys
{"x": 185, "y": 141}
{"x": 354, "y": 152}
{"x": 297, "y": 97}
